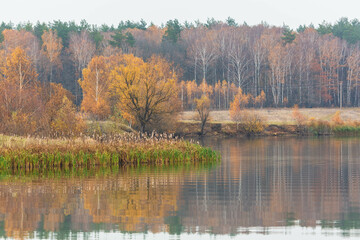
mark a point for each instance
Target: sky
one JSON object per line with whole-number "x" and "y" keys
{"x": 274, "y": 12}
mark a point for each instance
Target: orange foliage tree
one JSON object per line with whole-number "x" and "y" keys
{"x": 28, "y": 108}
{"x": 20, "y": 71}
{"x": 66, "y": 122}
{"x": 24, "y": 39}
{"x": 19, "y": 96}
{"x": 260, "y": 100}
{"x": 95, "y": 86}
{"x": 147, "y": 91}
{"x": 238, "y": 105}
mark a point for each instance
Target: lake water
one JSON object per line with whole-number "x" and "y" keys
{"x": 269, "y": 188}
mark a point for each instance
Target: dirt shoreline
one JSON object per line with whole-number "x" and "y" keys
{"x": 190, "y": 129}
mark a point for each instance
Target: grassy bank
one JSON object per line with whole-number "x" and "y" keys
{"x": 125, "y": 149}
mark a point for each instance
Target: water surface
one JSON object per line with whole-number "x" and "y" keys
{"x": 265, "y": 188}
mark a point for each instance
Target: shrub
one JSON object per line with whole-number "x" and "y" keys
{"x": 319, "y": 127}
{"x": 336, "y": 119}
{"x": 299, "y": 118}
{"x": 252, "y": 124}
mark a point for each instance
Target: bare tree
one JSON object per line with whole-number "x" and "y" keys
{"x": 239, "y": 55}
{"x": 82, "y": 49}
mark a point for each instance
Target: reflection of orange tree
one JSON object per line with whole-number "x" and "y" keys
{"x": 23, "y": 204}
{"x": 136, "y": 199}
{"x": 135, "y": 203}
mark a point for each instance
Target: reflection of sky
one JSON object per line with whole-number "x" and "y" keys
{"x": 280, "y": 233}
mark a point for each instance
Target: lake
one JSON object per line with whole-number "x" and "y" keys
{"x": 282, "y": 188}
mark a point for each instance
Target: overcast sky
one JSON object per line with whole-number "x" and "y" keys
{"x": 274, "y": 12}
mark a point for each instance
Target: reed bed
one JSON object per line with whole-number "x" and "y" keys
{"x": 118, "y": 150}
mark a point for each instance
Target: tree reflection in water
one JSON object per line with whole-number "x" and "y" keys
{"x": 262, "y": 183}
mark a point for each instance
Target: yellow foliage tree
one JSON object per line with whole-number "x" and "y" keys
{"x": 260, "y": 100}
{"x": 191, "y": 89}
{"x": 95, "y": 86}
{"x": 336, "y": 119}
{"x": 19, "y": 95}
{"x": 235, "y": 110}
{"x": 53, "y": 96}
{"x": 147, "y": 92}
{"x": 237, "y": 107}
{"x": 20, "y": 71}
{"x": 66, "y": 122}
{"x": 203, "y": 108}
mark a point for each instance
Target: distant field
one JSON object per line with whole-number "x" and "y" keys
{"x": 281, "y": 115}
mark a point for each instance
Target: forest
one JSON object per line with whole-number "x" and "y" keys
{"x": 56, "y": 68}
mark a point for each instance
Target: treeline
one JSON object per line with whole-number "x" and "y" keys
{"x": 310, "y": 66}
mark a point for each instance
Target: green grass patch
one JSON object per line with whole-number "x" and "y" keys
{"x": 125, "y": 149}
{"x": 346, "y": 130}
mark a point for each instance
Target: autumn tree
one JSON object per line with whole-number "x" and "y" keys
{"x": 353, "y": 63}
{"x": 191, "y": 90}
{"x": 258, "y": 52}
{"x": 82, "y": 49}
{"x": 147, "y": 91}
{"x": 19, "y": 95}
{"x": 330, "y": 53}
{"x": 148, "y": 42}
{"x": 96, "y": 87}
{"x": 277, "y": 63}
{"x": 105, "y": 48}
{"x": 237, "y": 107}
{"x": 260, "y": 99}
{"x": 203, "y": 49}
{"x": 189, "y": 37}
{"x": 66, "y": 122}
{"x": 51, "y": 48}
{"x": 20, "y": 72}
{"x": 203, "y": 109}
{"x": 239, "y": 55}
{"x": 51, "y": 100}
{"x": 235, "y": 110}
{"x": 23, "y": 39}
{"x": 305, "y": 54}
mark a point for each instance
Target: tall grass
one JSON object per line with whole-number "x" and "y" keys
{"x": 156, "y": 149}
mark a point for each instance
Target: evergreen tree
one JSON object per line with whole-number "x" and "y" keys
{"x": 173, "y": 30}
{"x": 288, "y": 35}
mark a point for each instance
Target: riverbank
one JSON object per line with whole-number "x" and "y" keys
{"x": 276, "y": 122}
{"x": 192, "y": 129}
{"x": 280, "y": 116}
{"x": 125, "y": 149}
